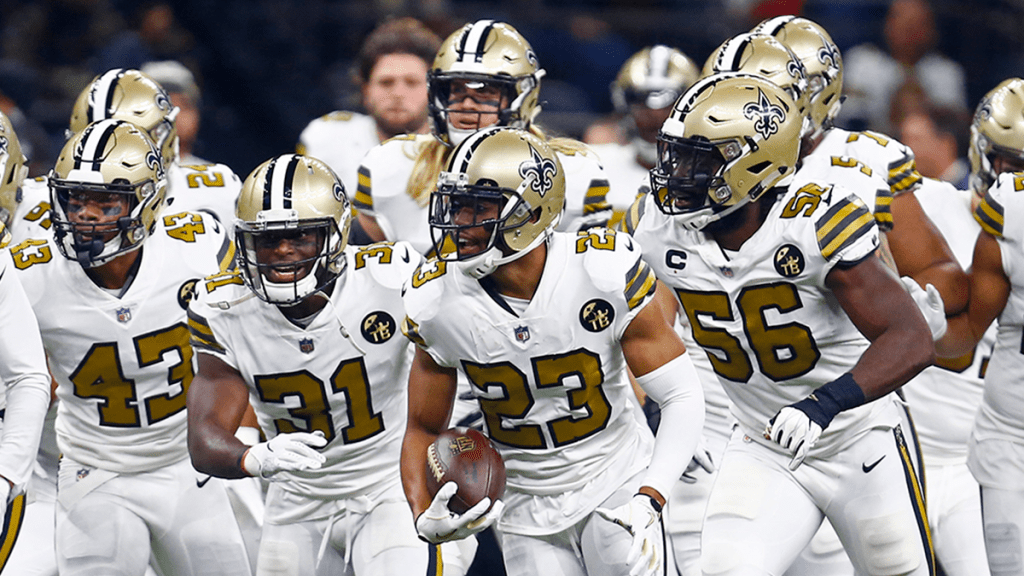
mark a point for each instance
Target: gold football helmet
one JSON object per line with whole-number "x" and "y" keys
{"x": 501, "y": 195}
{"x": 491, "y": 54}
{"x": 730, "y": 138}
{"x": 820, "y": 56}
{"x": 130, "y": 95}
{"x": 287, "y": 198}
{"x": 106, "y": 163}
{"x": 653, "y": 77}
{"x": 13, "y": 169}
{"x": 762, "y": 54}
{"x": 997, "y": 135}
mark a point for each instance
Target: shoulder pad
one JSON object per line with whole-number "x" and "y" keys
{"x": 844, "y": 221}
{"x": 614, "y": 262}
{"x": 991, "y": 212}
{"x": 390, "y": 263}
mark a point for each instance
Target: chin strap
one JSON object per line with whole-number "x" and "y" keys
{"x": 487, "y": 262}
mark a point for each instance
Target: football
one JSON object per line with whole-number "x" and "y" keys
{"x": 466, "y": 457}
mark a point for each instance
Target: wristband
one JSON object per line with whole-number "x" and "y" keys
{"x": 654, "y": 503}
{"x": 822, "y": 405}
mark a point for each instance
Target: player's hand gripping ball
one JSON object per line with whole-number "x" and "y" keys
{"x": 466, "y": 457}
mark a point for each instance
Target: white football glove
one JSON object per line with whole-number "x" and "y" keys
{"x": 929, "y": 301}
{"x": 793, "y": 430}
{"x": 438, "y": 524}
{"x": 639, "y": 518}
{"x": 289, "y": 452}
{"x": 701, "y": 459}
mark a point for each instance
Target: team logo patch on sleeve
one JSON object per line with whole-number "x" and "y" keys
{"x": 789, "y": 261}
{"x": 378, "y": 327}
{"x": 597, "y": 315}
{"x": 186, "y": 293}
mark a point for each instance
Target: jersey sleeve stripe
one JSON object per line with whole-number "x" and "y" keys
{"x": 842, "y": 226}
{"x": 363, "y": 199}
{"x": 640, "y": 282}
{"x": 633, "y": 215}
{"x": 903, "y": 176}
{"x": 989, "y": 214}
{"x": 883, "y": 209}
{"x": 226, "y": 254}
{"x": 202, "y": 334}
{"x": 596, "y": 197}
{"x": 411, "y": 330}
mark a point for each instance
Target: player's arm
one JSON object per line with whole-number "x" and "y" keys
{"x": 920, "y": 251}
{"x": 658, "y": 359}
{"x": 217, "y": 399}
{"x": 886, "y": 315}
{"x": 370, "y": 227}
{"x": 431, "y": 397}
{"x": 990, "y": 290}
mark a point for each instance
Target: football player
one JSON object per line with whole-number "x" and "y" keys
{"x": 544, "y": 325}
{"x": 109, "y": 289}
{"x": 994, "y": 451}
{"x": 643, "y": 93}
{"x": 391, "y": 72}
{"x": 24, "y": 213}
{"x": 917, "y": 248}
{"x": 484, "y": 74}
{"x": 24, "y": 398}
{"x": 308, "y": 328}
{"x": 130, "y": 95}
{"x": 777, "y": 277}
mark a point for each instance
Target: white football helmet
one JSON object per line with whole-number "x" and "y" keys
{"x": 13, "y": 169}
{"x": 123, "y": 94}
{"x": 997, "y": 130}
{"x": 730, "y": 138}
{"x": 485, "y": 53}
{"x": 109, "y": 157}
{"x": 511, "y": 171}
{"x": 821, "y": 59}
{"x": 285, "y": 196}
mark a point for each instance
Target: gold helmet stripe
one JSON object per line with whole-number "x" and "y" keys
{"x": 101, "y": 97}
{"x": 474, "y": 41}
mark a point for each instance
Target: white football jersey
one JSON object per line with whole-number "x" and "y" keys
{"x": 855, "y": 176}
{"x": 944, "y": 398}
{"x": 551, "y": 380}
{"x": 32, "y": 218}
{"x": 209, "y": 188}
{"x": 625, "y": 175}
{"x": 123, "y": 365}
{"x": 1001, "y": 415}
{"x": 345, "y": 374}
{"x": 884, "y": 155}
{"x": 771, "y": 329}
{"x": 23, "y": 378}
{"x": 386, "y": 170}
{"x": 340, "y": 139}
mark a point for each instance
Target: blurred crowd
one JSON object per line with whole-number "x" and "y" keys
{"x": 265, "y": 68}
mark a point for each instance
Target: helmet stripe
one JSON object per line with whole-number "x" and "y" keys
{"x": 277, "y": 185}
{"x": 93, "y": 142}
{"x": 464, "y": 153}
{"x": 103, "y": 93}
{"x": 659, "y": 61}
{"x": 474, "y": 41}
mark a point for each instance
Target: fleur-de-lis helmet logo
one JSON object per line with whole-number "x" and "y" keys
{"x": 829, "y": 54}
{"x": 540, "y": 171}
{"x": 766, "y": 116}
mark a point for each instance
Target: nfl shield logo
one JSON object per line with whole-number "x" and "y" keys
{"x": 306, "y": 345}
{"x": 123, "y": 315}
{"x": 522, "y": 333}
